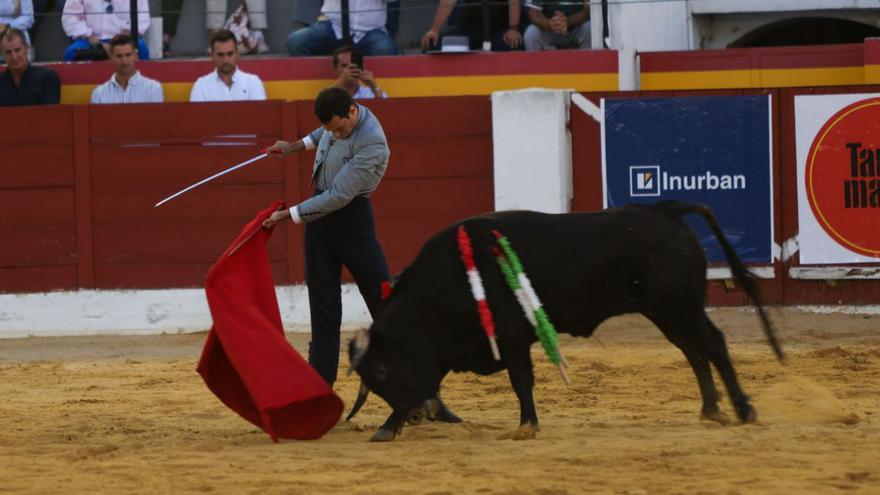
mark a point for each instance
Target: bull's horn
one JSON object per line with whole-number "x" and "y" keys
{"x": 359, "y": 402}
{"x": 361, "y": 343}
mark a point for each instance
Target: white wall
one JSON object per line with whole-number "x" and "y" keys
{"x": 138, "y": 312}
{"x": 755, "y": 6}
{"x": 642, "y": 27}
{"x": 638, "y": 27}
{"x": 720, "y": 30}
{"x": 532, "y": 150}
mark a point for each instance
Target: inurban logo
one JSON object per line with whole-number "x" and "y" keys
{"x": 648, "y": 180}
{"x": 644, "y": 180}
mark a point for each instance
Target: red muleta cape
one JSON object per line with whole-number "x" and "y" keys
{"x": 247, "y": 362}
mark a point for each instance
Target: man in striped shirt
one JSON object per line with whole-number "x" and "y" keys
{"x": 127, "y": 85}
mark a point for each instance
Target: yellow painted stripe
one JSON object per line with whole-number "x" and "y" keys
{"x": 399, "y": 87}
{"x": 76, "y": 93}
{"x": 872, "y": 74}
{"x": 696, "y": 79}
{"x": 820, "y": 76}
{"x": 484, "y": 85}
{"x": 759, "y": 78}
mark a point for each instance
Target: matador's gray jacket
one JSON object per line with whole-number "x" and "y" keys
{"x": 344, "y": 168}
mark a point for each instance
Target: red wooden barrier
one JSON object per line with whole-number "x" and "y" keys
{"x": 78, "y": 192}
{"x": 78, "y": 185}
{"x": 37, "y": 200}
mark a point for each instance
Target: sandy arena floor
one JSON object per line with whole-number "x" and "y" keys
{"x": 130, "y": 415}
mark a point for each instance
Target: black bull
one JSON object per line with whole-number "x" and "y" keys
{"x": 585, "y": 267}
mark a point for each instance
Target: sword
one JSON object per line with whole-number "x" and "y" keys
{"x": 218, "y": 174}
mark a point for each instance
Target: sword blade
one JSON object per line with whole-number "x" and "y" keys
{"x": 209, "y": 179}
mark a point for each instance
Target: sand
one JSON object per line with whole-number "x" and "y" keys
{"x": 130, "y": 415}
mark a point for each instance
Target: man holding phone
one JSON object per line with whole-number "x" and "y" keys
{"x": 352, "y": 76}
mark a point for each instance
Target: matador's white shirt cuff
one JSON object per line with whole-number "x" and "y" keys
{"x": 294, "y": 214}
{"x": 308, "y": 143}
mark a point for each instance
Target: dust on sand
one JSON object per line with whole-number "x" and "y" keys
{"x": 130, "y": 415}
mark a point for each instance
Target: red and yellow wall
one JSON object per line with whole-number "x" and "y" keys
{"x": 778, "y": 67}
{"x": 410, "y": 75}
{"x": 482, "y": 73}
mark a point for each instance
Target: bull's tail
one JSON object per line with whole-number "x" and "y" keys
{"x": 740, "y": 273}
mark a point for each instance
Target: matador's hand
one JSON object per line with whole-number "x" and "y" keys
{"x": 276, "y": 217}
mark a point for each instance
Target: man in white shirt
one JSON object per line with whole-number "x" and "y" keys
{"x": 367, "y": 28}
{"x": 227, "y": 82}
{"x": 126, "y": 85}
{"x": 93, "y": 22}
{"x": 358, "y": 81}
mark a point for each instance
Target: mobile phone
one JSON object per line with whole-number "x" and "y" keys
{"x": 357, "y": 58}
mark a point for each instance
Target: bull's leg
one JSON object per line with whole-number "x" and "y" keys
{"x": 681, "y": 334}
{"x": 716, "y": 349}
{"x": 390, "y": 430}
{"x": 519, "y": 370}
{"x": 700, "y": 364}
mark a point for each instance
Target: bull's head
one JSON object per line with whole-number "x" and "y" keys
{"x": 394, "y": 371}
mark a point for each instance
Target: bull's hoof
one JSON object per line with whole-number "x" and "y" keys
{"x": 439, "y": 412}
{"x": 524, "y": 432}
{"x": 416, "y": 417}
{"x": 716, "y": 416}
{"x": 747, "y": 413}
{"x": 383, "y": 435}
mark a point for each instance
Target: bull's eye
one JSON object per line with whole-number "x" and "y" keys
{"x": 381, "y": 373}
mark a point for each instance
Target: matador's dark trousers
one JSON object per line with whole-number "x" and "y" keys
{"x": 345, "y": 237}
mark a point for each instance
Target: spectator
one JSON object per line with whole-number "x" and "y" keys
{"x": 170, "y": 19}
{"x": 91, "y": 24}
{"x": 367, "y": 26}
{"x": 358, "y": 81}
{"x": 392, "y": 22}
{"x": 256, "y": 16}
{"x": 305, "y": 13}
{"x": 23, "y": 83}
{"x": 227, "y": 82}
{"x": 504, "y": 23}
{"x": 41, "y": 8}
{"x": 126, "y": 85}
{"x": 557, "y": 24}
{"x": 249, "y": 40}
{"x": 18, "y": 14}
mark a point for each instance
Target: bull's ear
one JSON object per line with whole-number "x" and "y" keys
{"x": 359, "y": 346}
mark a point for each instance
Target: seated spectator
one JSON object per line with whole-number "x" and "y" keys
{"x": 254, "y": 21}
{"x": 126, "y": 85}
{"x": 170, "y": 19}
{"x": 91, "y": 24}
{"x": 23, "y": 83}
{"x": 392, "y": 22}
{"x": 358, "y": 81}
{"x": 467, "y": 20}
{"x": 557, "y": 25}
{"x": 250, "y": 41}
{"x": 367, "y": 25}
{"x": 227, "y": 82}
{"x": 305, "y": 13}
{"x": 18, "y": 14}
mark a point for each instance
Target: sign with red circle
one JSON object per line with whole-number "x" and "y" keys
{"x": 843, "y": 177}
